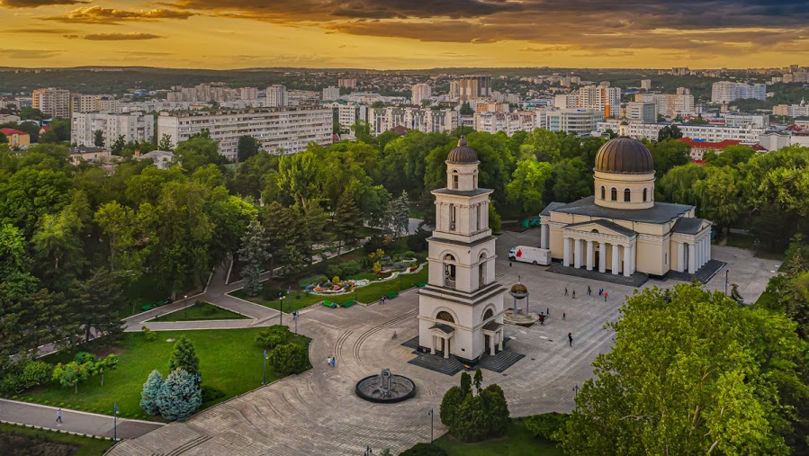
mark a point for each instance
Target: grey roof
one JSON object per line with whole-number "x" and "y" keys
{"x": 492, "y": 326}
{"x": 475, "y": 192}
{"x": 446, "y": 329}
{"x": 687, "y": 225}
{"x": 606, "y": 224}
{"x": 624, "y": 155}
{"x": 659, "y": 213}
{"x": 551, "y": 207}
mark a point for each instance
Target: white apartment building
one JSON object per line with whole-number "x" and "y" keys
{"x": 741, "y": 120}
{"x": 466, "y": 88}
{"x": 639, "y": 111}
{"x": 711, "y": 133}
{"x": 347, "y": 114}
{"x": 331, "y": 93}
{"x": 248, "y": 93}
{"x": 728, "y": 91}
{"x": 508, "y": 122}
{"x": 133, "y": 127}
{"x": 419, "y": 93}
{"x": 795, "y": 110}
{"x": 348, "y": 83}
{"x": 423, "y": 119}
{"x": 604, "y": 99}
{"x": 668, "y": 105}
{"x": 93, "y": 103}
{"x": 276, "y": 95}
{"x": 52, "y": 102}
{"x": 579, "y": 121}
{"x": 204, "y": 93}
{"x": 566, "y": 101}
{"x": 284, "y": 131}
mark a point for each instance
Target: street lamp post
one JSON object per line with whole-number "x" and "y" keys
{"x": 185, "y": 298}
{"x": 726, "y": 281}
{"x": 431, "y": 425}
{"x": 265, "y": 357}
{"x": 281, "y": 305}
{"x": 115, "y": 422}
{"x": 295, "y": 318}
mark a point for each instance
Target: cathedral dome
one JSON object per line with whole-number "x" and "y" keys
{"x": 624, "y": 155}
{"x": 462, "y": 153}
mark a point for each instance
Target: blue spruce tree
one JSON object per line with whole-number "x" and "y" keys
{"x": 179, "y": 396}
{"x": 148, "y": 397}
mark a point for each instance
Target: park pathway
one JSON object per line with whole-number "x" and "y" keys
{"x": 90, "y": 424}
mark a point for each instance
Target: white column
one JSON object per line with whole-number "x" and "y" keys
{"x": 432, "y": 346}
{"x": 446, "y": 347}
{"x": 590, "y": 255}
{"x": 701, "y": 254}
{"x": 616, "y": 263}
{"x": 680, "y": 257}
{"x": 627, "y": 261}
{"x": 632, "y": 256}
{"x": 543, "y": 237}
{"x": 692, "y": 260}
{"x": 577, "y": 253}
{"x": 547, "y": 236}
{"x": 500, "y": 339}
{"x": 566, "y": 244}
{"x": 491, "y": 344}
{"x": 602, "y": 257}
{"x": 708, "y": 248}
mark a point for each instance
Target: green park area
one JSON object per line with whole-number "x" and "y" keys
{"x": 230, "y": 363}
{"x": 518, "y": 441}
{"x": 23, "y": 441}
{"x": 200, "y": 311}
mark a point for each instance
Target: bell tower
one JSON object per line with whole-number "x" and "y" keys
{"x": 460, "y": 308}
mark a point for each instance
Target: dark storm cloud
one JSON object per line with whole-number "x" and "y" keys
{"x": 37, "y": 3}
{"x": 99, "y": 15}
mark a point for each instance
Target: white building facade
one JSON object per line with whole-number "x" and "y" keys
{"x": 283, "y": 131}
{"x": 133, "y": 127}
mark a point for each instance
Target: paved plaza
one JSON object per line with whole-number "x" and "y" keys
{"x": 317, "y": 412}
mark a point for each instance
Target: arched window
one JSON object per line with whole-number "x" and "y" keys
{"x": 644, "y": 194}
{"x": 449, "y": 271}
{"x": 627, "y": 195}
{"x": 482, "y": 270}
{"x": 455, "y": 180}
{"x": 445, "y": 316}
{"x": 603, "y": 192}
{"x": 488, "y": 314}
{"x": 614, "y": 194}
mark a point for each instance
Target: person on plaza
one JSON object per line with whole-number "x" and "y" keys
{"x": 548, "y": 311}
{"x": 589, "y": 291}
{"x": 541, "y": 320}
{"x": 565, "y": 291}
{"x": 605, "y": 296}
{"x": 328, "y": 361}
{"x": 570, "y": 338}
{"x": 574, "y": 294}
{"x": 333, "y": 361}
{"x": 563, "y": 315}
{"x": 59, "y": 415}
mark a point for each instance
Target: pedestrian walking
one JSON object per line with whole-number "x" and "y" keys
{"x": 509, "y": 264}
{"x": 589, "y": 291}
{"x": 548, "y": 311}
{"x": 575, "y": 390}
{"x": 541, "y": 320}
{"x": 333, "y": 361}
{"x": 600, "y": 291}
{"x": 570, "y": 338}
{"x": 565, "y": 291}
{"x": 574, "y": 294}
{"x": 59, "y": 415}
{"x": 563, "y": 315}
{"x": 605, "y": 296}
{"x": 328, "y": 361}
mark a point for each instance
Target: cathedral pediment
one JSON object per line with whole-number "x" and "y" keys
{"x": 602, "y": 227}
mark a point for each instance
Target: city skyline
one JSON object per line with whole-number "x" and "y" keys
{"x": 398, "y": 34}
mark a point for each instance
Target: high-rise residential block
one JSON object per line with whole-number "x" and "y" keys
{"x": 52, "y": 102}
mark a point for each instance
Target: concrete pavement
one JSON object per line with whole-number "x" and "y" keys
{"x": 90, "y": 424}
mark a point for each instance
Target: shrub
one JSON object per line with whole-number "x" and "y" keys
{"x": 184, "y": 357}
{"x": 449, "y": 405}
{"x": 148, "y": 396}
{"x": 210, "y": 393}
{"x": 333, "y": 270}
{"x": 495, "y": 409}
{"x": 424, "y": 449}
{"x": 313, "y": 279}
{"x": 179, "y": 396}
{"x": 545, "y": 425}
{"x": 36, "y": 373}
{"x": 273, "y": 336}
{"x": 148, "y": 334}
{"x": 473, "y": 417}
{"x": 289, "y": 359}
{"x": 84, "y": 357}
{"x": 350, "y": 268}
{"x": 470, "y": 420}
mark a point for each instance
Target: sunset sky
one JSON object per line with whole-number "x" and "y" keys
{"x": 396, "y": 34}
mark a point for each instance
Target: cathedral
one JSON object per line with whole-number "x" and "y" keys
{"x": 461, "y": 307}
{"x": 621, "y": 228}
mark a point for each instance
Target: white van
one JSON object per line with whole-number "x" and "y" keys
{"x": 526, "y": 254}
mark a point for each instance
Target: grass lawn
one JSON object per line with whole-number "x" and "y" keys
{"x": 300, "y": 299}
{"x": 200, "y": 311}
{"x": 16, "y": 438}
{"x": 229, "y": 360}
{"x": 517, "y": 442}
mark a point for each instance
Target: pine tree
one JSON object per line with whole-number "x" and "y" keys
{"x": 179, "y": 396}
{"x": 347, "y": 221}
{"x": 253, "y": 254}
{"x": 401, "y": 215}
{"x": 184, "y": 357}
{"x": 148, "y": 396}
{"x": 478, "y": 379}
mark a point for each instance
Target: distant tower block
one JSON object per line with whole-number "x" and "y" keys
{"x": 461, "y": 307}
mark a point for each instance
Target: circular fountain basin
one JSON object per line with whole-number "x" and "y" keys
{"x": 371, "y": 389}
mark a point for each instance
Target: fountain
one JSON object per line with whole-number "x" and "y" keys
{"x": 385, "y": 387}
